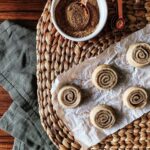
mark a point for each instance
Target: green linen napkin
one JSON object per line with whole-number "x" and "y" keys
{"x": 18, "y": 77}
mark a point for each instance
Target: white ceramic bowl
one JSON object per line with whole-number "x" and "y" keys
{"x": 103, "y": 9}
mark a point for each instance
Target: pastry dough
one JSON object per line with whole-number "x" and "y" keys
{"x": 102, "y": 117}
{"x": 104, "y": 77}
{"x": 69, "y": 96}
{"x": 138, "y": 55}
{"x": 135, "y": 97}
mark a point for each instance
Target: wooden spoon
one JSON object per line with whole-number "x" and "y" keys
{"x": 84, "y": 2}
{"x": 137, "y": 1}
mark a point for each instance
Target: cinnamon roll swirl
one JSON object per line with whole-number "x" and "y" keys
{"x": 138, "y": 55}
{"x": 104, "y": 77}
{"x": 69, "y": 96}
{"x": 102, "y": 117}
{"x": 135, "y": 97}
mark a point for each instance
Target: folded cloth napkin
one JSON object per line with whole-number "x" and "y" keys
{"x": 18, "y": 77}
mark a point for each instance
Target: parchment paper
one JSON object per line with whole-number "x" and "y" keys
{"x": 77, "y": 119}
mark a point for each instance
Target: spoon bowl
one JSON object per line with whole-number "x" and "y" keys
{"x": 120, "y": 23}
{"x": 79, "y": 24}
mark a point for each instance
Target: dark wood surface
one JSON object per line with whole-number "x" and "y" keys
{"x": 6, "y": 141}
{"x": 25, "y": 13}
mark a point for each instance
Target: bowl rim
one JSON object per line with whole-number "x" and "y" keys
{"x": 103, "y": 9}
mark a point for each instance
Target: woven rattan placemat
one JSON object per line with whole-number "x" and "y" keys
{"x": 56, "y": 55}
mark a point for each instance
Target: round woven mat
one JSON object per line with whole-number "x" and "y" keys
{"x": 56, "y": 55}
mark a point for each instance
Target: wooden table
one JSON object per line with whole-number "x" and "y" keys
{"x": 25, "y": 13}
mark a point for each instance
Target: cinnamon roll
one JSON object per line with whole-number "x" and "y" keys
{"x": 102, "y": 117}
{"x": 104, "y": 77}
{"x": 69, "y": 96}
{"x": 138, "y": 55}
{"x": 135, "y": 97}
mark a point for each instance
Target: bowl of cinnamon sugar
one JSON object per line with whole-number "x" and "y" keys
{"x": 79, "y": 20}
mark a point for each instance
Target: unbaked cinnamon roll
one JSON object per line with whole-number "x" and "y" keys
{"x": 135, "y": 97}
{"x": 69, "y": 96}
{"x": 104, "y": 77}
{"x": 138, "y": 55}
{"x": 102, "y": 117}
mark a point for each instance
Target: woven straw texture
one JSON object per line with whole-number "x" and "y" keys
{"x": 56, "y": 55}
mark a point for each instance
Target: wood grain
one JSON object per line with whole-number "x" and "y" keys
{"x": 25, "y": 13}
{"x": 6, "y": 141}
{"x": 21, "y": 5}
{"x": 20, "y": 15}
{"x": 23, "y": 9}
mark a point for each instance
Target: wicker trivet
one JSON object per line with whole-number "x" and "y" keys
{"x": 56, "y": 55}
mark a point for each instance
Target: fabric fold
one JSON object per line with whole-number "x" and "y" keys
{"x": 17, "y": 122}
{"x": 18, "y": 77}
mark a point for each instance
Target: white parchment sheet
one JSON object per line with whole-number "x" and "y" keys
{"x": 77, "y": 119}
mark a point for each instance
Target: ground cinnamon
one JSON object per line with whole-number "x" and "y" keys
{"x": 77, "y": 19}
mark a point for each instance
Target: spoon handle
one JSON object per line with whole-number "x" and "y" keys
{"x": 84, "y": 2}
{"x": 137, "y": 1}
{"x": 120, "y": 9}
